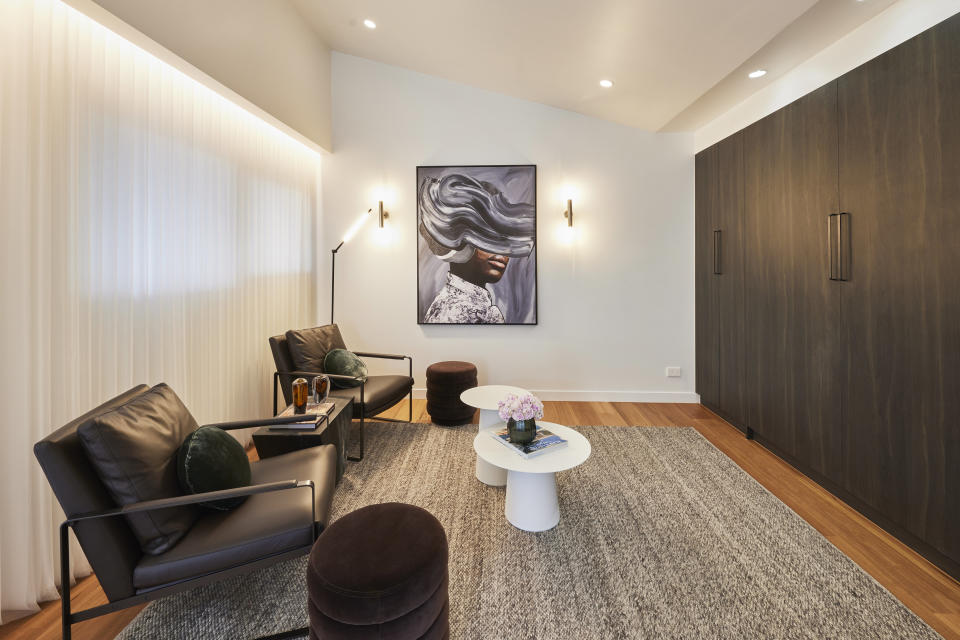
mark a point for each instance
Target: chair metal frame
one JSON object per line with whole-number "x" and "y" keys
{"x": 68, "y": 617}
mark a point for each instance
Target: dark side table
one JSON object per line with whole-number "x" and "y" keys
{"x": 335, "y": 430}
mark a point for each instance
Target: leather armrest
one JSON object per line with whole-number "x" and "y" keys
{"x": 386, "y": 356}
{"x": 178, "y": 501}
{"x": 264, "y": 422}
{"x": 332, "y": 376}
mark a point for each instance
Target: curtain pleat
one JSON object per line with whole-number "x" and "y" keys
{"x": 151, "y": 231}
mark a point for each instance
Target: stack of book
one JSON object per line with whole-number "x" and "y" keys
{"x": 545, "y": 441}
{"x": 313, "y": 417}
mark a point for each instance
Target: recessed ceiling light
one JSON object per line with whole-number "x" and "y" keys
{"x": 369, "y": 24}
{"x": 759, "y": 73}
{"x": 606, "y": 84}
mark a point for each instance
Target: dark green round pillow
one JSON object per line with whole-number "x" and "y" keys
{"x": 210, "y": 459}
{"x": 341, "y": 362}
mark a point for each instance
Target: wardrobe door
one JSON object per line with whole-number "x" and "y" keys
{"x": 706, "y": 281}
{"x": 900, "y": 183}
{"x": 730, "y": 297}
{"x": 793, "y": 362}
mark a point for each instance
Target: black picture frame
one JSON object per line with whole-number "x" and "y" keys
{"x": 420, "y": 241}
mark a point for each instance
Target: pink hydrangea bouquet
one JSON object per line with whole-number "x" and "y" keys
{"x": 525, "y": 407}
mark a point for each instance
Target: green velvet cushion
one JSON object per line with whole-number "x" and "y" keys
{"x": 344, "y": 363}
{"x": 210, "y": 459}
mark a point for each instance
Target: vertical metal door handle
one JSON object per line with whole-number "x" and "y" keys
{"x": 841, "y": 247}
{"x": 837, "y": 246}
{"x": 831, "y": 247}
{"x": 716, "y": 252}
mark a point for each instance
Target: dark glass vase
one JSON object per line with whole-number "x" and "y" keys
{"x": 300, "y": 394}
{"x": 521, "y": 431}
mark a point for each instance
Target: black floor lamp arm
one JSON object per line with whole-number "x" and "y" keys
{"x": 333, "y": 275}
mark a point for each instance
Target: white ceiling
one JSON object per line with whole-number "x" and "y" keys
{"x": 676, "y": 64}
{"x": 825, "y": 23}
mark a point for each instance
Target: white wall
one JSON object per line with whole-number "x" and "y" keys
{"x": 261, "y": 49}
{"x": 897, "y": 24}
{"x": 616, "y": 301}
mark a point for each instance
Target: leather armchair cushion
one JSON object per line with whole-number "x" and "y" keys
{"x": 108, "y": 543}
{"x": 308, "y": 347}
{"x": 133, "y": 450}
{"x": 210, "y": 459}
{"x": 341, "y": 362}
{"x": 266, "y": 524}
{"x": 379, "y": 393}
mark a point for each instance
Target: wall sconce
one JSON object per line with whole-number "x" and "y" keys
{"x": 383, "y": 214}
{"x": 568, "y": 213}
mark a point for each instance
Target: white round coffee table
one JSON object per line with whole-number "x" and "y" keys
{"x": 532, "y": 484}
{"x": 486, "y": 398}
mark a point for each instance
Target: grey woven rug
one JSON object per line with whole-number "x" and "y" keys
{"x": 660, "y": 536}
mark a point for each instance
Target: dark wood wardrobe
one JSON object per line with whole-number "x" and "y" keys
{"x": 828, "y": 287}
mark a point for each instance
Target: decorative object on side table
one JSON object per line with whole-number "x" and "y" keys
{"x": 521, "y": 414}
{"x": 321, "y": 389}
{"x": 300, "y": 395}
{"x": 543, "y": 442}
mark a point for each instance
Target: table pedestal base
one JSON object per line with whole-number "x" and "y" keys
{"x": 532, "y": 501}
{"x": 491, "y": 475}
{"x": 486, "y": 472}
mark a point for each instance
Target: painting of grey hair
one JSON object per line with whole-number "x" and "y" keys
{"x": 477, "y": 244}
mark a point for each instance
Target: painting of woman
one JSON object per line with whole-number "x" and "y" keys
{"x": 477, "y": 245}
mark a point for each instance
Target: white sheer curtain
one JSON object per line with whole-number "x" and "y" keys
{"x": 151, "y": 231}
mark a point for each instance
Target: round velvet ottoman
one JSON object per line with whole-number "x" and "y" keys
{"x": 380, "y": 572}
{"x": 445, "y": 382}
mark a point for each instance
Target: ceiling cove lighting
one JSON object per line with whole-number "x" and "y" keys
{"x": 369, "y": 24}
{"x": 229, "y": 98}
{"x": 606, "y": 84}
{"x": 759, "y": 73}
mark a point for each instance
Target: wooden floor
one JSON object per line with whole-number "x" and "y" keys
{"x": 926, "y": 590}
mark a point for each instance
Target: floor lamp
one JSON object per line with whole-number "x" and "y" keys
{"x": 352, "y": 231}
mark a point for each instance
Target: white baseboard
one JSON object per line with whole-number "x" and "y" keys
{"x": 688, "y": 397}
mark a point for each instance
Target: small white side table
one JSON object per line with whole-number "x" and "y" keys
{"x": 532, "y": 484}
{"x": 486, "y": 398}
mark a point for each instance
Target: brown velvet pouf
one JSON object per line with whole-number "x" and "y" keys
{"x": 380, "y": 572}
{"x": 445, "y": 382}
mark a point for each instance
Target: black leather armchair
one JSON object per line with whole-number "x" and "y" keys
{"x": 374, "y": 396}
{"x": 262, "y": 531}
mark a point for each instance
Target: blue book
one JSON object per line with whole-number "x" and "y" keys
{"x": 544, "y": 441}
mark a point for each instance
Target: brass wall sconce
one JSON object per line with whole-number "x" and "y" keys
{"x": 383, "y": 214}
{"x": 568, "y": 214}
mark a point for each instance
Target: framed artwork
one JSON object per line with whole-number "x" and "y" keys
{"x": 477, "y": 244}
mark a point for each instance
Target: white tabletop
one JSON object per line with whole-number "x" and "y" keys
{"x": 487, "y": 396}
{"x": 576, "y": 452}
